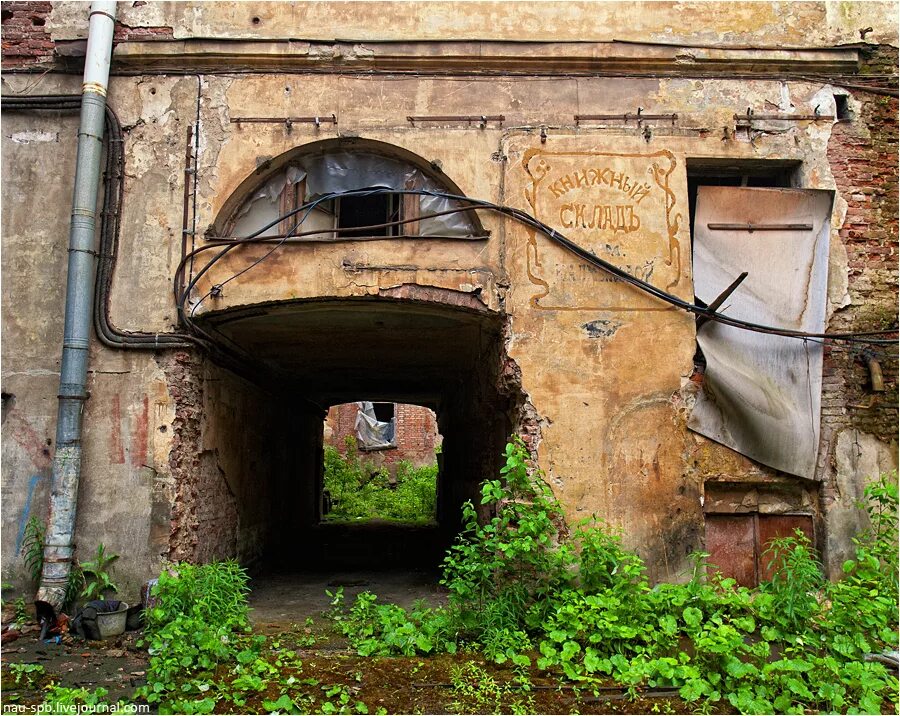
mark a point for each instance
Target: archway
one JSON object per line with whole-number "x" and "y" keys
{"x": 412, "y": 342}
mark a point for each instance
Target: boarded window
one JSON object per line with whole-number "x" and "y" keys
{"x": 737, "y": 544}
{"x": 761, "y": 393}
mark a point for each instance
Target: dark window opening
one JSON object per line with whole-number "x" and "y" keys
{"x": 357, "y": 212}
{"x": 384, "y": 411}
{"x": 842, "y": 107}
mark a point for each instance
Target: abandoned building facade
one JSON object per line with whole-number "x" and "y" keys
{"x": 501, "y": 212}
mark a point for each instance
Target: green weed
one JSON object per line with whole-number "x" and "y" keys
{"x": 32, "y": 549}
{"x": 26, "y": 675}
{"x": 96, "y": 577}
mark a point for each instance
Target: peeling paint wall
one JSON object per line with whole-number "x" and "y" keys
{"x": 184, "y": 459}
{"x": 776, "y": 23}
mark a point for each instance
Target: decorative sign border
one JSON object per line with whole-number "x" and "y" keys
{"x": 660, "y": 169}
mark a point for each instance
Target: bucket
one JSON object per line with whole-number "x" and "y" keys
{"x": 112, "y": 623}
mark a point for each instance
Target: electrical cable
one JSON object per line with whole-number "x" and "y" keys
{"x": 528, "y": 220}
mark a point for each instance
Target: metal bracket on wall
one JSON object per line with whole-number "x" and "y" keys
{"x": 759, "y": 227}
{"x": 721, "y": 298}
{"x": 750, "y": 116}
{"x": 482, "y": 119}
{"x": 638, "y": 117}
{"x": 288, "y": 122}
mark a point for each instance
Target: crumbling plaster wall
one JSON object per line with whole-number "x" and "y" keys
{"x": 123, "y": 455}
{"x": 780, "y": 24}
{"x": 612, "y": 413}
{"x": 142, "y": 415}
{"x": 222, "y": 501}
{"x": 859, "y": 425}
{"x": 605, "y": 406}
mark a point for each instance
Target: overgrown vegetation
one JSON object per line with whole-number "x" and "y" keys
{"x": 203, "y": 654}
{"x": 358, "y": 491}
{"x": 524, "y": 590}
{"x": 529, "y": 594}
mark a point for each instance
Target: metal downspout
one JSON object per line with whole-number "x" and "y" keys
{"x": 58, "y": 548}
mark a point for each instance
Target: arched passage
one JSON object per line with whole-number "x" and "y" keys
{"x": 370, "y": 298}
{"x": 329, "y": 352}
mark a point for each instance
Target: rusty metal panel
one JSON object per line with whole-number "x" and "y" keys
{"x": 762, "y": 393}
{"x": 731, "y": 543}
{"x": 772, "y": 526}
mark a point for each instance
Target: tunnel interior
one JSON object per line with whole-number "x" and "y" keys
{"x": 321, "y": 353}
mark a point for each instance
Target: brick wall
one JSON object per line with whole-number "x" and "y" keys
{"x": 415, "y": 437}
{"x": 25, "y": 39}
{"x": 863, "y": 157}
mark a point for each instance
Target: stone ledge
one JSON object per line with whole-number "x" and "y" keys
{"x": 540, "y": 58}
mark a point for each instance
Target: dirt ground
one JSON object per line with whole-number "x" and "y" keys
{"x": 283, "y": 599}
{"x": 282, "y": 607}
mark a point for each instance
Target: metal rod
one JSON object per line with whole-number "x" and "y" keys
{"x": 321, "y": 119}
{"x": 627, "y": 117}
{"x": 797, "y": 117}
{"x": 483, "y": 119}
{"x": 759, "y": 227}
{"x": 66, "y": 470}
{"x": 720, "y": 299}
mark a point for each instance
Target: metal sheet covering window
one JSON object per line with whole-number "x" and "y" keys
{"x": 761, "y": 394}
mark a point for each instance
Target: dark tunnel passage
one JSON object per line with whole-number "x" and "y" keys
{"x": 324, "y": 353}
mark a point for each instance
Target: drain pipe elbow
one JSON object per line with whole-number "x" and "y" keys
{"x": 66, "y": 471}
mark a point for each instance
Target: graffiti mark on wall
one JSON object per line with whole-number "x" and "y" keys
{"x": 26, "y": 510}
{"x": 139, "y": 434}
{"x": 139, "y": 422}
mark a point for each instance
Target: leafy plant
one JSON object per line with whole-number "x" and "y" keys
{"x": 32, "y": 549}
{"x": 97, "y": 581}
{"x": 26, "y": 675}
{"x": 21, "y": 615}
{"x": 65, "y": 700}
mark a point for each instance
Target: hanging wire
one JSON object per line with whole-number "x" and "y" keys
{"x": 867, "y": 337}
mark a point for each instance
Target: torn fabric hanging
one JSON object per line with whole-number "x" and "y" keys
{"x": 372, "y": 433}
{"x": 761, "y": 393}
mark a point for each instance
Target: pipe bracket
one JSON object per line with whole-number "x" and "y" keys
{"x": 94, "y": 87}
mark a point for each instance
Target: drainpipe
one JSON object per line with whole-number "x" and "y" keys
{"x": 58, "y": 548}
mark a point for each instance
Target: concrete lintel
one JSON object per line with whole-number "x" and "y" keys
{"x": 475, "y": 57}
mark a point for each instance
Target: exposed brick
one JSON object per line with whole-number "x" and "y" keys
{"x": 863, "y": 156}
{"x": 415, "y": 433}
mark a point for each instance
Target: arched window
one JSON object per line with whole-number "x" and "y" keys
{"x": 348, "y": 217}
